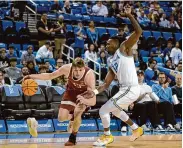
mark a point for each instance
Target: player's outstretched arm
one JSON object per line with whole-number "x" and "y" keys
{"x": 127, "y": 45}
{"x": 108, "y": 79}
{"x": 49, "y": 76}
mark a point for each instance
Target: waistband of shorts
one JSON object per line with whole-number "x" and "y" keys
{"x": 68, "y": 103}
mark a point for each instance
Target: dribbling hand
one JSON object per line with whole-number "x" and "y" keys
{"x": 26, "y": 77}
{"x": 80, "y": 99}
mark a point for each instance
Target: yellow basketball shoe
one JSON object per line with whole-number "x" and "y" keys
{"x": 32, "y": 125}
{"x": 104, "y": 140}
{"x": 136, "y": 133}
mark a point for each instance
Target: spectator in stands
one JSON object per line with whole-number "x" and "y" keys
{"x": 102, "y": 48}
{"x": 92, "y": 34}
{"x": 151, "y": 73}
{"x": 143, "y": 20}
{"x": 11, "y": 53}
{"x": 168, "y": 64}
{"x": 31, "y": 67}
{"x": 4, "y": 61}
{"x": 102, "y": 60}
{"x": 67, "y": 8}
{"x": 145, "y": 106}
{"x": 121, "y": 34}
{"x": 179, "y": 67}
{"x": 163, "y": 21}
{"x": 59, "y": 64}
{"x": 172, "y": 23}
{"x": 80, "y": 36}
{"x": 167, "y": 50}
{"x": 60, "y": 37}
{"x": 45, "y": 51}
{"x": 177, "y": 90}
{"x": 4, "y": 80}
{"x": 91, "y": 53}
{"x": 49, "y": 67}
{"x": 113, "y": 11}
{"x": 176, "y": 54}
{"x": 56, "y": 7}
{"x": 25, "y": 72}
{"x": 100, "y": 9}
{"x": 42, "y": 69}
{"x": 126, "y": 30}
{"x": 28, "y": 55}
{"x": 13, "y": 72}
{"x": 44, "y": 30}
{"x": 179, "y": 21}
{"x": 165, "y": 105}
{"x": 156, "y": 51}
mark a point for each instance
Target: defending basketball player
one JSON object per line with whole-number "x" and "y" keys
{"x": 77, "y": 97}
{"x": 122, "y": 65}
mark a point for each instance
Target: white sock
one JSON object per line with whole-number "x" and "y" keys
{"x": 107, "y": 133}
{"x": 134, "y": 126}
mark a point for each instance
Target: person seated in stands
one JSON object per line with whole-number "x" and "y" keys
{"x": 102, "y": 60}
{"x": 100, "y": 9}
{"x": 163, "y": 21}
{"x": 179, "y": 67}
{"x": 92, "y": 54}
{"x": 143, "y": 20}
{"x": 113, "y": 11}
{"x": 102, "y": 48}
{"x": 45, "y": 51}
{"x": 31, "y": 67}
{"x": 25, "y": 72}
{"x": 59, "y": 63}
{"x": 92, "y": 34}
{"x": 168, "y": 65}
{"x": 49, "y": 67}
{"x": 167, "y": 50}
{"x": 145, "y": 106}
{"x": 4, "y": 61}
{"x": 151, "y": 73}
{"x": 67, "y": 7}
{"x": 177, "y": 90}
{"x": 176, "y": 54}
{"x": 4, "y": 80}
{"x": 42, "y": 69}
{"x": 173, "y": 23}
{"x": 44, "y": 30}
{"x": 165, "y": 106}
{"x": 11, "y": 53}
{"x": 156, "y": 51}
{"x": 56, "y": 7}
{"x": 13, "y": 72}
{"x": 28, "y": 55}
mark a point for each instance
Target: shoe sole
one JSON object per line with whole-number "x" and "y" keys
{"x": 106, "y": 144}
{"x": 137, "y": 137}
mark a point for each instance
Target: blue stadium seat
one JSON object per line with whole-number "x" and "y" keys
{"x": 16, "y": 46}
{"x": 112, "y": 31}
{"x": 178, "y": 36}
{"x": 145, "y": 59}
{"x": 158, "y": 59}
{"x": 19, "y": 25}
{"x": 24, "y": 46}
{"x": 101, "y": 31}
{"x": 126, "y": 21}
{"x": 98, "y": 18}
{"x": 146, "y": 34}
{"x": 19, "y": 66}
{"x": 69, "y": 28}
{"x": 18, "y": 60}
{"x": 34, "y": 53}
{"x": 111, "y": 20}
{"x": 144, "y": 53}
{"x": 52, "y": 16}
{"x": 86, "y": 18}
{"x": 156, "y": 34}
{"x": 76, "y": 11}
{"x": 167, "y": 35}
{"x": 2, "y": 45}
{"x": 66, "y": 16}
{"x": 51, "y": 61}
{"x": 6, "y": 24}
{"x": 76, "y": 17}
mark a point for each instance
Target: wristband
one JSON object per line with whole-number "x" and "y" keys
{"x": 96, "y": 91}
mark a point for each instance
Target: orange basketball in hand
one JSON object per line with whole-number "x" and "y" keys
{"x": 29, "y": 87}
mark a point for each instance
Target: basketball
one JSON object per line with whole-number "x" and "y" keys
{"x": 29, "y": 87}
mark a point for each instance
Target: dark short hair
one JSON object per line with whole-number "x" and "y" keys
{"x": 78, "y": 62}
{"x": 140, "y": 72}
{"x": 161, "y": 73}
{"x": 13, "y": 59}
{"x": 11, "y": 46}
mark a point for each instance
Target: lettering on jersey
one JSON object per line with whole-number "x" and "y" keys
{"x": 115, "y": 63}
{"x": 80, "y": 85}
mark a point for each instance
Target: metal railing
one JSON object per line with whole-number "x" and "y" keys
{"x": 95, "y": 70}
{"x": 68, "y": 55}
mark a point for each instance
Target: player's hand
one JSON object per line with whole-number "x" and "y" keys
{"x": 80, "y": 99}
{"x": 26, "y": 77}
{"x": 128, "y": 9}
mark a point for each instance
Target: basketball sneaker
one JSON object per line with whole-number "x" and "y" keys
{"x": 70, "y": 127}
{"x": 136, "y": 133}
{"x": 32, "y": 125}
{"x": 72, "y": 140}
{"x": 104, "y": 140}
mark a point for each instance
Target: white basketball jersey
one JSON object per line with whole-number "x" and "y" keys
{"x": 124, "y": 68}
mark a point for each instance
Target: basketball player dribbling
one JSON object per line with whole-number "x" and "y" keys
{"x": 80, "y": 80}
{"x": 122, "y": 65}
